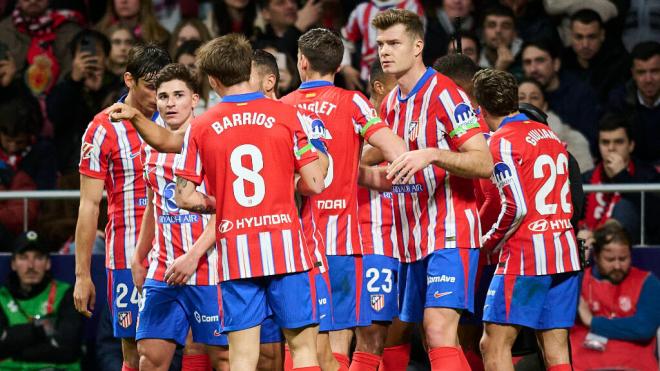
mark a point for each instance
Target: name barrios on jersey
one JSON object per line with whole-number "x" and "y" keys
{"x": 245, "y": 118}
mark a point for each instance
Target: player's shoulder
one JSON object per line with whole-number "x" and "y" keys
{"x": 102, "y": 125}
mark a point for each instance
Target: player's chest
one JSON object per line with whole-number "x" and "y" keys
{"x": 417, "y": 125}
{"x": 126, "y": 152}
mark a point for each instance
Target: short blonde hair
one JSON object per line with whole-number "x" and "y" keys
{"x": 227, "y": 58}
{"x": 393, "y": 16}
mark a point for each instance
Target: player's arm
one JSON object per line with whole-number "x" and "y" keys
{"x": 189, "y": 198}
{"x": 371, "y": 155}
{"x": 375, "y": 178}
{"x": 144, "y": 243}
{"x": 185, "y": 265}
{"x": 390, "y": 145}
{"x": 158, "y": 137}
{"x": 310, "y": 180}
{"x": 91, "y": 193}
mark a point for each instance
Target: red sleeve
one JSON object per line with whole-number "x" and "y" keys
{"x": 189, "y": 164}
{"x": 96, "y": 149}
{"x": 512, "y": 209}
{"x": 457, "y": 114}
{"x": 303, "y": 151}
{"x": 365, "y": 116}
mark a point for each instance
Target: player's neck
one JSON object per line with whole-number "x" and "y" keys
{"x": 317, "y": 76}
{"x": 130, "y": 100}
{"x": 240, "y": 88}
{"x": 409, "y": 79}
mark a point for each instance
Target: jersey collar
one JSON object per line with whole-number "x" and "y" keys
{"x": 122, "y": 99}
{"x": 241, "y": 98}
{"x": 516, "y": 118}
{"x": 315, "y": 84}
{"x": 425, "y": 77}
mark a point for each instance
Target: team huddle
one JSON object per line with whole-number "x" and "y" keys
{"x": 325, "y": 215}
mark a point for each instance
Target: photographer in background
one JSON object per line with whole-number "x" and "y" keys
{"x": 39, "y": 327}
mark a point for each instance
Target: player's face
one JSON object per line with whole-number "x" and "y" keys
{"x": 122, "y": 41}
{"x": 615, "y": 141}
{"x": 613, "y": 261}
{"x": 498, "y": 30}
{"x": 586, "y": 39}
{"x": 647, "y": 77}
{"x": 30, "y": 267}
{"x": 397, "y": 49}
{"x": 530, "y": 93}
{"x": 539, "y": 65}
{"x": 175, "y": 103}
{"x": 144, "y": 93}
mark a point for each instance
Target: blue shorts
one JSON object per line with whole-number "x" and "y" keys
{"x": 443, "y": 279}
{"x": 539, "y": 302}
{"x": 167, "y": 312}
{"x": 381, "y": 273}
{"x": 324, "y": 301}
{"x": 270, "y": 332}
{"x": 123, "y": 298}
{"x": 289, "y": 298}
{"x": 350, "y": 302}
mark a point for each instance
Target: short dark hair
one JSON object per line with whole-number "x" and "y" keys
{"x": 586, "y": 16}
{"x": 393, "y": 16}
{"x": 611, "y": 231}
{"x": 227, "y": 58}
{"x": 145, "y": 61}
{"x": 645, "y": 50}
{"x": 376, "y": 72}
{"x": 456, "y": 67}
{"x": 177, "y": 71}
{"x": 187, "y": 47}
{"x": 543, "y": 44}
{"x": 498, "y": 10}
{"x": 92, "y": 35}
{"x": 323, "y": 49}
{"x": 266, "y": 61}
{"x": 20, "y": 115}
{"x": 496, "y": 91}
{"x": 612, "y": 121}
{"x": 469, "y": 35}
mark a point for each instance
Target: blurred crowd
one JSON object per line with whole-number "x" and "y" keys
{"x": 592, "y": 65}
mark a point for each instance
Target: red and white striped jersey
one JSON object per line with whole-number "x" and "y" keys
{"x": 248, "y": 148}
{"x": 359, "y": 29}
{"x": 534, "y": 228}
{"x": 436, "y": 210}
{"x": 111, "y": 151}
{"x": 350, "y": 118}
{"x": 176, "y": 229}
{"x": 376, "y": 217}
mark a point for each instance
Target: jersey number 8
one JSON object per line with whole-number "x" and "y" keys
{"x": 244, "y": 174}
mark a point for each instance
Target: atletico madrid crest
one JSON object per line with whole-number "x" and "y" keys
{"x": 377, "y": 302}
{"x": 413, "y": 131}
{"x": 125, "y": 319}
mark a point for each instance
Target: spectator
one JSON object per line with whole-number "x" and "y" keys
{"x": 470, "y": 46}
{"x": 642, "y": 23}
{"x": 531, "y": 19}
{"x": 121, "y": 41}
{"x": 74, "y": 101}
{"x": 597, "y": 60}
{"x": 228, "y": 16}
{"x": 530, "y": 91}
{"x": 285, "y": 23}
{"x": 26, "y": 162}
{"x": 501, "y": 45}
{"x": 358, "y": 30}
{"x": 573, "y": 101}
{"x": 39, "y": 327}
{"x": 640, "y": 99}
{"x": 440, "y": 28}
{"x": 139, "y": 16}
{"x": 186, "y": 30}
{"x": 563, "y": 9}
{"x": 618, "y": 310}
{"x": 615, "y": 145}
{"x": 37, "y": 39}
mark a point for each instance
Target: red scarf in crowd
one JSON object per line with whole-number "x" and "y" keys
{"x": 43, "y": 68}
{"x": 599, "y": 205}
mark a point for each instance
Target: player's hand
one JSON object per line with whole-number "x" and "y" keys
{"x": 309, "y": 15}
{"x": 405, "y": 166}
{"x": 181, "y": 269}
{"x": 613, "y": 164}
{"x": 7, "y": 71}
{"x": 121, "y": 111}
{"x": 84, "y": 295}
{"x": 585, "y": 313}
{"x": 139, "y": 273}
{"x": 352, "y": 78}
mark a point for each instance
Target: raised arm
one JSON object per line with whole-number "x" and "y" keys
{"x": 158, "y": 137}
{"x": 189, "y": 198}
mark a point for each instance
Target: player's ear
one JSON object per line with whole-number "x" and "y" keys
{"x": 418, "y": 47}
{"x": 195, "y": 99}
{"x": 129, "y": 80}
{"x": 214, "y": 83}
{"x": 269, "y": 82}
{"x": 378, "y": 88}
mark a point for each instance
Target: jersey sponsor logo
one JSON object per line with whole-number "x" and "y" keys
{"x": 377, "y": 302}
{"x": 407, "y": 188}
{"x": 386, "y": 195}
{"x": 125, "y": 319}
{"x": 201, "y": 318}
{"x": 315, "y": 129}
{"x": 502, "y": 174}
{"x": 413, "y": 131}
{"x": 88, "y": 150}
{"x": 542, "y": 225}
{"x": 225, "y": 226}
{"x": 216, "y": 333}
{"x": 438, "y": 295}
{"x": 168, "y": 196}
{"x": 178, "y": 219}
{"x": 240, "y": 119}
{"x": 331, "y": 204}
{"x": 262, "y": 220}
{"x": 134, "y": 155}
{"x": 440, "y": 279}
{"x": 465, "y": 120}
